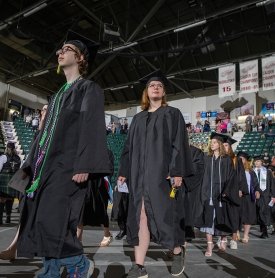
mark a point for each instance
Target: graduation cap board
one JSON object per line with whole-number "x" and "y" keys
{"x": 243, "y": 154}
{"x": 86, "y": 46}
{"x": 154, "y": 76}
{"x": 229, "y": 140}
{"x": 218, "y": 136}
{"x": 258, "y": 157}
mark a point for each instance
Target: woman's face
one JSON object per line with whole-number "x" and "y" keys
{"x": 258, "y": 163}
{"x": 155, "y": 90}
{"x": 214, "y": 145}
{"x": 226, "y": 146}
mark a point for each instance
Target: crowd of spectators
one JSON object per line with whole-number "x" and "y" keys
{"x": 119, "y": 127}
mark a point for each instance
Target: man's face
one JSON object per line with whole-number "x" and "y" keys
{"x": 68, "y": 55}
{"x": 258, "y": 163}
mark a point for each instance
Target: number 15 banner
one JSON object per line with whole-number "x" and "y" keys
{"x": 227, "y": 81}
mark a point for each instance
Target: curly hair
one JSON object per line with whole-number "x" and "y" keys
{"x": 82, "y": 65}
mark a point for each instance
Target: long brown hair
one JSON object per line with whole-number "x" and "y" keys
{"x": 221, "y": 149}
{"x": 145, "y": 101}
{"x": 231, "y": 154}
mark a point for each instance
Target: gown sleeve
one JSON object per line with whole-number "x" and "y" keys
{"x": 181, "y": 161}
{"x": 92, "y": 156}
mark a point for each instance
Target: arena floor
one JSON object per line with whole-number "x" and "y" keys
{"x": 254, "y": 260}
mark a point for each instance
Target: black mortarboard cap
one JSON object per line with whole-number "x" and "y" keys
{"x": 243, "y": 154}
{"x": 154, "y": 76}
{"x": 229, "y": 140}
{"x": 258, "y": 157}
{"x": 218, "y": 136}
{"x": 86, "y": 46}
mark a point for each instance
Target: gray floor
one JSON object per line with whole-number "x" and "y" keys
{"x": 254, "y": 260}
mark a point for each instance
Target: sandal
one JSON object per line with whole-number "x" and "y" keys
{"x": 209, "y": 249}
{"x": 106, "y": 241}
{"x": 223, "y": 244}
{"x": 245, "y": 240}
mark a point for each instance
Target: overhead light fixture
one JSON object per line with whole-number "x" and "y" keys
{"x": 34, "y": 10}
{"x": 119, "y": 88}
{"x": 188, "y": 26}
{"x": 3, "y": 26}
{"x": 40, "y": 73}
{"x": 170, "y": 77}
{"x": 125, "y": 46}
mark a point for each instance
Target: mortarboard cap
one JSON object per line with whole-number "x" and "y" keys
{"x": 229, "y": 140}
{"x": 243, "y": 154}
{"x": 154, "y": 76}
{"x": 258, "y": 157}
{"x": 86, "y": 46}
{"x": 218, "y": 136}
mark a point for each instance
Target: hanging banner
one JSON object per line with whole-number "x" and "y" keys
{"x": 268, "y": 71}
{"x": 227, "y": 81}
{"x": 249, "y": 77}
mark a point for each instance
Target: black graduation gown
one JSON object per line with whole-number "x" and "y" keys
{"x": 225, "y": 215}
{"x": 154, "y": 150}
{"x": 263, "y": 209}
{"x": 248, "y": 202}
{"x": 49, "y": 220}
{"x": 192, "y": 186}
{"x": 240, "y": 180}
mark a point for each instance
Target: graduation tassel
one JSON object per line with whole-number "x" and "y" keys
{"x": 58, "y": 70}
{"x": 211, "y": 202}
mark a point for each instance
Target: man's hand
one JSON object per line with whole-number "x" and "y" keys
{"x": 240, "y": 193}
{"x": 257, "y": 195}
{"x": 79, "y": 178}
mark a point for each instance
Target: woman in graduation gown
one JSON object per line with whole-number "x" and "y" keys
{"x": 156, "y": 149}
{"x": 240, "y": 180}
{"x": 248, "y": 201}
{"x": 70, "y": 150}
{"x": 218, "y": 195}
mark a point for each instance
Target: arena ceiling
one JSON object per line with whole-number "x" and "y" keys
{"x": 186, "y": 39}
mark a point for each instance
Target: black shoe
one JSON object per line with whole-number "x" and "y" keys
{"x": 8, "y": 220}
{"x": 120, "y": 235}
{"x": 178, "y": 265}
{"x": 137, "y": 272}
{"x": 264, "y": 235}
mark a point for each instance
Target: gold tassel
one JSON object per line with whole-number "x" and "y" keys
{"x": 58, "y": 70}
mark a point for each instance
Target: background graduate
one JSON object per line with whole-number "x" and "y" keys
{"x": 156, "y": 148}
{"x": 267, "y": 194}
{"x": 70, "y": 150}
{"x": 218, "y": 195}
{"x": 240, "y": 180}
{"x": 248, "y": 201}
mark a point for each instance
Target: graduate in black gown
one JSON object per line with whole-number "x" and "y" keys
{"x": 192, "y": 189}
{"x": 69, "y": 152}
{"x": 267, "y": 194}
{"x": 240, "y": 180}
{"x": 156, "y": 149}
{"x": 218, "y": 195}
{"x": 248, "y": 200}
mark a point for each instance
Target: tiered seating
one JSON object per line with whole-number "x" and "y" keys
{"x": 25, "y": 135}
{"x": 256, "y": 143}
{"x": 116, "y": 144}
{"x": 200, "y": 140}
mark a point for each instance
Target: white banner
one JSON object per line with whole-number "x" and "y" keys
{"x": 268, "y": 72}
{"x": 227, "y": 81}
{"x": 249, "y": 77}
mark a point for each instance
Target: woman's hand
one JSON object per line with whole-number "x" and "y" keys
{"x": 257, "y": 195}
{"x": 79, "y": 178}
{"x": 177, "y": 182}
{"x": 121, "y": 179}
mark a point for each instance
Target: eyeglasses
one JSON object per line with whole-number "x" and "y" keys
{"x": 156, "y": 85}
{"x": 64, "y": 50}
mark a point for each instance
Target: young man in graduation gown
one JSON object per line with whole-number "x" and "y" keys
{"x": 267, "y": 195}
{"x": 192, "y": 189}
{"x": 156, "y": 148}
{"x": 70, "y": 150}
